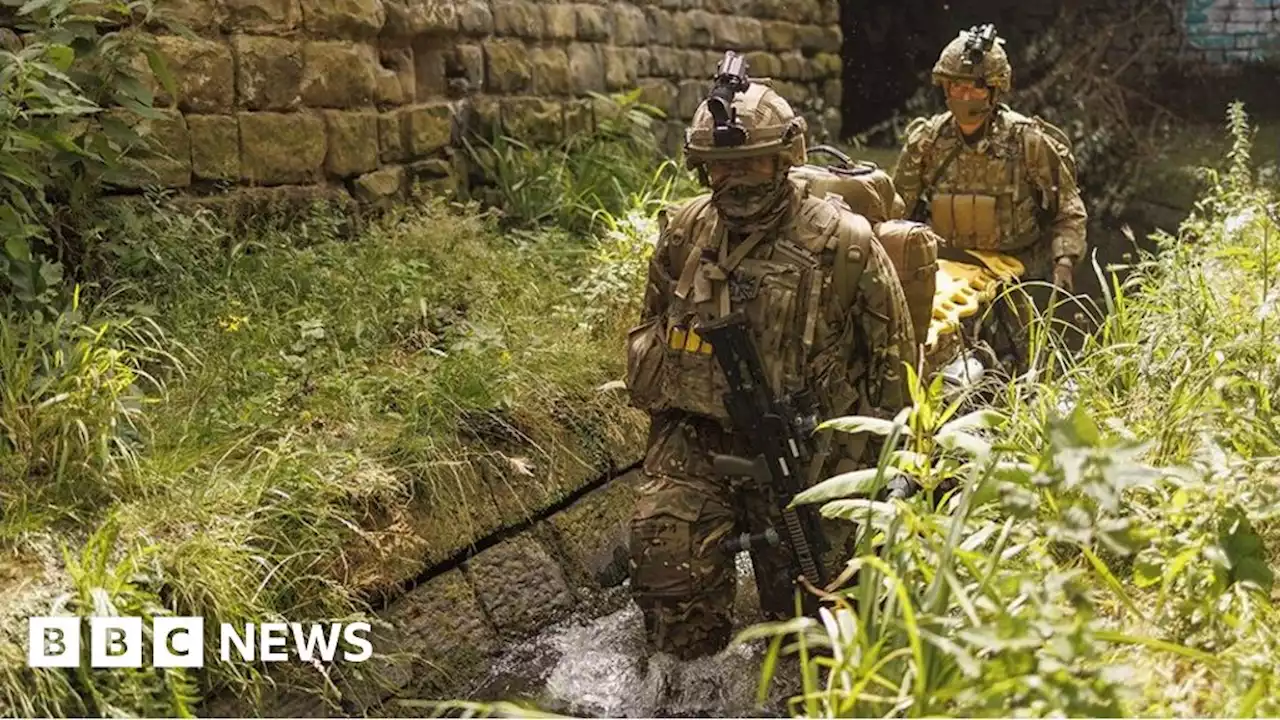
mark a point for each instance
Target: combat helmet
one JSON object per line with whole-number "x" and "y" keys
{"x": 976, "y": 54}
{"x": 741, "y": 119}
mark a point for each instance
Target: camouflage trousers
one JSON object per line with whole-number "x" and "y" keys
{"x": 681, "y": 577}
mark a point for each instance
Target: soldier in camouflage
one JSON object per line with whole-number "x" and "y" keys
{"x": 838, "y": 328}
{"x": 985, "y": 177}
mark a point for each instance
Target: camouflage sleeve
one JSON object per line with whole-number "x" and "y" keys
{"x": 1053, "y": 177}
{"x": 659, "y": 282}
{"x": 908, "y": 173}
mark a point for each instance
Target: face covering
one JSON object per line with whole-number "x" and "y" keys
{"x": 742, "y": 202}
{"x": 969, "y": 112}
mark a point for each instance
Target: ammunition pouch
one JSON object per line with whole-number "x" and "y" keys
{"x": 967, "y": 220}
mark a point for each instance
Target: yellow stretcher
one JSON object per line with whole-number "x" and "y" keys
{"x": 962, "y": 291}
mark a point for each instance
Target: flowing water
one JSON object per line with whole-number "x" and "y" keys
{"x": 599, "y": 667}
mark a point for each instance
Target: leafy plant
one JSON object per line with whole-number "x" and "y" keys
{"x": 60, "y": 72}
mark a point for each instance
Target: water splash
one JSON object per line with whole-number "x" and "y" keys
{"x": 601, "y": 668}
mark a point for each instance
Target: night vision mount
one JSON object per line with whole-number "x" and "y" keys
{"x": 980, "y": 41}
{"x": 731, "y": 79}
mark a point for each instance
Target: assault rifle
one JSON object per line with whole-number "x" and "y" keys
{"x": 780, "y": 428}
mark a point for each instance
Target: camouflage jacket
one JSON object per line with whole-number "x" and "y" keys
{"x": 1013, "y": 190}
{"x": 842, "y": 338}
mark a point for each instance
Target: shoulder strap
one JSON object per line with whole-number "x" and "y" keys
{"x": 684, "y": 257}
{"x": 852, "y": 248}
{"x": 935, "y": 128}
{"x": 1059, "y": 143}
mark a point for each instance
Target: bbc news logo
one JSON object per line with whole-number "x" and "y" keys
{"x": 178, "y": 642}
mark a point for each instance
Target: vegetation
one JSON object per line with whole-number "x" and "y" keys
{"x": 204, "y": 420}
{"x": 1112, "y": 544}
{"x": 199, "y": 419}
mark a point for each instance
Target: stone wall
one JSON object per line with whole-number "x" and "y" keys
{"x": 370, "y": 93}
{"x": 1230, "y": 31}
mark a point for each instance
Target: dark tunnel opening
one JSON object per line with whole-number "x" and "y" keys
{"x": 890, "y": 46}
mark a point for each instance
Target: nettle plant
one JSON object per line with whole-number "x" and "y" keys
{"x": 970, "y": 604}
{"x": 73, "y": 107}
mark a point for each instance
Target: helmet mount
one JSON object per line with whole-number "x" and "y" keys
{"x": 731, "y": 79}
{"x": 981, "y": 38}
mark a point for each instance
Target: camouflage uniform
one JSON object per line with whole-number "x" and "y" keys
{"x": 768, "y": 249}
{"x": 1011, "y": 187}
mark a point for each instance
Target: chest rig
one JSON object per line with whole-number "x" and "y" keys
{"x": 983, "y": 198}
{"x": 778, "y": 277}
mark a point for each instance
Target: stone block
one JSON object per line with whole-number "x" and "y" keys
{"x": 778, "y": 35}
{"x": 381, "y": 187}
{"x": 427, "y": 128}
{"x": 484, "y": 117}
{"x": 281, "y": 148}
{"x": 621, "y": 68}
{"x": 578, "y": 118}
{"x": 169, "y": 162}
{"x": 665, "y": 62}
{"x": 397, "y": 82}
{"x": 467, "y": 62}
{"x": 829, "y": 12}
{"x": 262, "y": 16}
{"x": 832, "y": 39}
{"x": 475, "y": 17}
{"x": 533, "y": 120}
{"x": 630, "y": 26}
{"x": 550, "y": 69}
{"x": 658, "y": 92}
{"x": 392, "y": 146}
{"x": 832, "y": 92}
{"x": 593, "y": 23}
{"x": 661, "y": 26}
{"x": 827, "y": 65}
{"x": 763, "y": 64}
{"x": 587, "y": 68}
{"x": 710, "y": 62}
{"x": 507, "y": 68}
{"x": 810, "y": 38}
{"x": 559, "y": 22}
{"x": 697, "y": 29}
{"x": 215, "y": 147}
{"x": 197, "y": 15}
{"x": 352, "y": 142}
{"x": 520, "y": 585}
{"x": 269, "y": 74}
{"x": 442, "y": 636}
{"x": 794, "y": 65}
{"x": 593, "y": 533}
{"x": 689, "y": 96}
{"x": 338, "y": 74}
{"x": 794, "y": 93}
{"x": 517, "y": 18}
{"x": 345, "y": 19}
{"x": 411, "y": 18}
{"x": 431, "y": 67}
{"x": 738, "y": 33}
{"x": 203, "y": 74}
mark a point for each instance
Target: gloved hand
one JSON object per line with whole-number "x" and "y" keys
{"x": 1064, "y": 274}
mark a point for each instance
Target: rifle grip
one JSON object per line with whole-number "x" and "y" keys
{"x": 739, "y": 466}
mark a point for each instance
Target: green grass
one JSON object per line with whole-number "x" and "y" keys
{"x": 1112, "y": 546}
{"x": 280, "y": 425}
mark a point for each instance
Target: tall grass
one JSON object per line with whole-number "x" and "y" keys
{"x": 252, "y": 426}
{"x": 1111, "y": 546}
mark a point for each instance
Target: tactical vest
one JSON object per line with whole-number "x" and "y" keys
{"x": 794, "y": 287}
{"x": 985, "y": 200}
